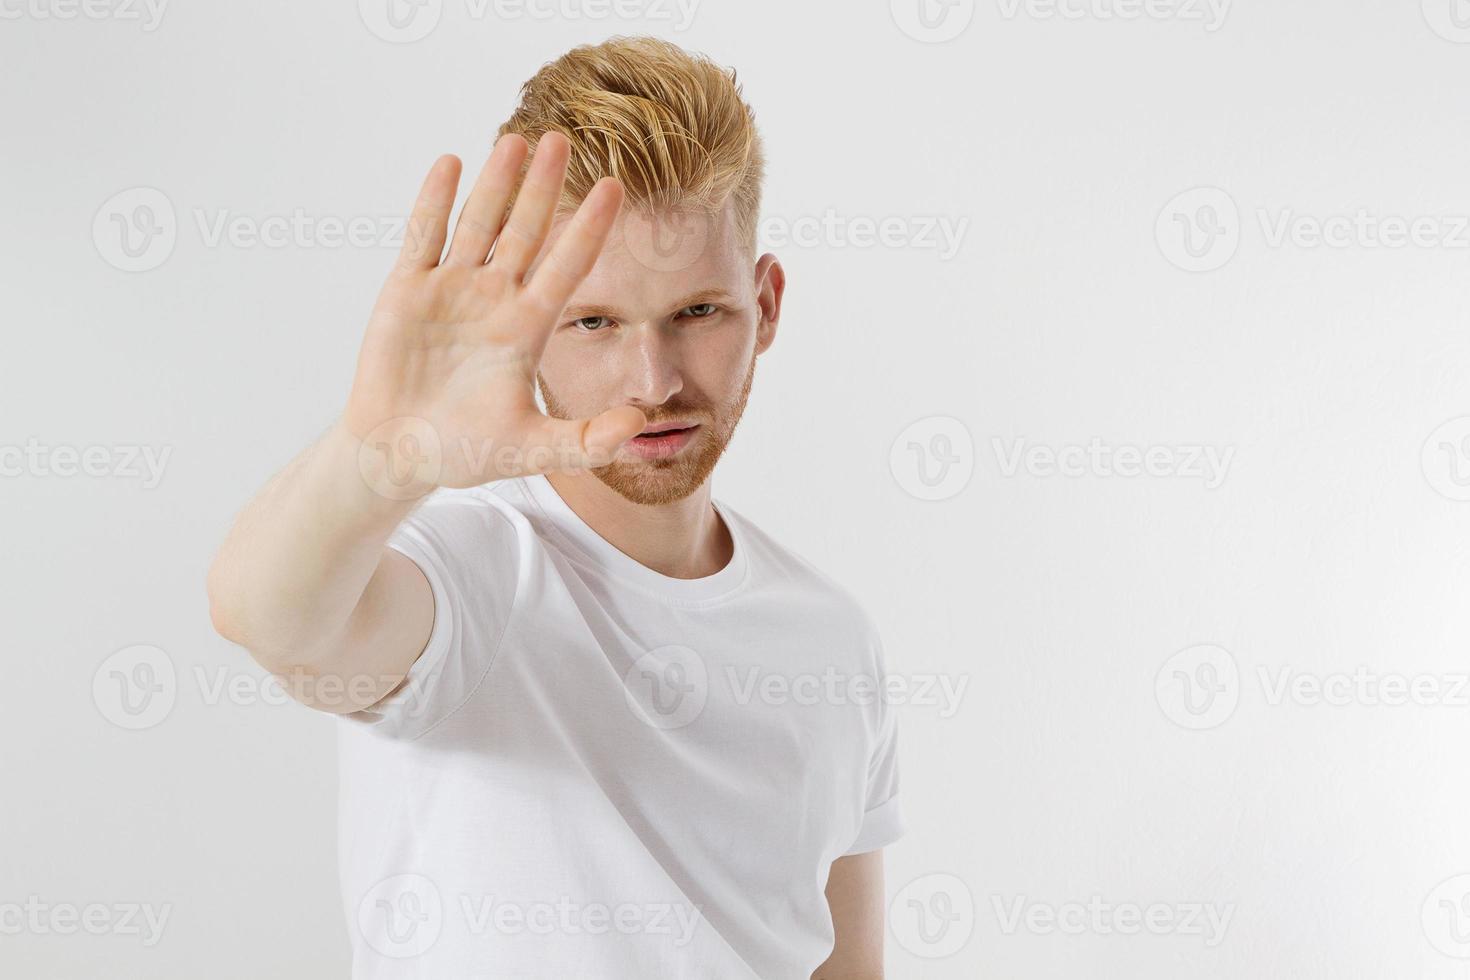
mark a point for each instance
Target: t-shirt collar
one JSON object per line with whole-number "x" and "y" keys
{"x": 576, "y": 532}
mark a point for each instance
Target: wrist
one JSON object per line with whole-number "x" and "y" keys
{"x": 396, "y": 464}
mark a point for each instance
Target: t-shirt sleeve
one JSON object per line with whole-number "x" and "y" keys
{"x": 467, "y": 549}
{"x": 882, "y": 822}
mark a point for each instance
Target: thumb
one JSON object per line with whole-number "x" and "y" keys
{"x": 585, "y": 443}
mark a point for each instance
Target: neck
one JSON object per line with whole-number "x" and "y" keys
{"x": 683, "y": 539}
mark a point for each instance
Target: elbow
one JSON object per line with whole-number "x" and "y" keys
{"x": 221, "y": 615}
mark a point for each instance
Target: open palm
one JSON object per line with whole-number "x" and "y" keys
{"x": 445, "y": 382}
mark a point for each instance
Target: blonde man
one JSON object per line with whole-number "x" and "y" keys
{"x": 594, "y": 722}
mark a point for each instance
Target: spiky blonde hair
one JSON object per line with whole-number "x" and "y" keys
{"x": 672, "y": 126}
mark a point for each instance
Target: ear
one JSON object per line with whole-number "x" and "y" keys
{"x": 770, "y": 286}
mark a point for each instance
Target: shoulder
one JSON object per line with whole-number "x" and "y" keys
{"x": 801, "y": 583}
{"x": 487, "y": 507}
{"x": 464, "y": 527}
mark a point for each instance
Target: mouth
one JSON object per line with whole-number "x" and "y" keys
{"x": 662, "y": 439}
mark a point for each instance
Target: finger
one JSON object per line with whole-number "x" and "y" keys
{"x": 576, "y": 251}
{"x": 535, "y": 208}
{"x": 565, "y": 444}
{"x": 428, "y": 224}
{"x": 484, "y": 211}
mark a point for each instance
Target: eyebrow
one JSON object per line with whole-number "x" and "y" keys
{"x": 709, "y": 295}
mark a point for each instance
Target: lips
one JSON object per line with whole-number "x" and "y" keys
{"x": 671, "y": 426}
{"x": 662, "y": 439}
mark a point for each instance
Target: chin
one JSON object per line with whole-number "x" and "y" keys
{"x": 661, "y": 481}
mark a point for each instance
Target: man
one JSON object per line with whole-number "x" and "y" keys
{"x": 594, "y": 722}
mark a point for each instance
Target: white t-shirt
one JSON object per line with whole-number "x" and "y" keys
{"x": 598, "y": 771}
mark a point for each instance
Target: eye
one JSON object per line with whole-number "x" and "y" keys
{"x": 590, "y": 324}
{"x": 700, "y": 310}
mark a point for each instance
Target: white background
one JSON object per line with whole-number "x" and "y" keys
{"x": 1077, "y": 767}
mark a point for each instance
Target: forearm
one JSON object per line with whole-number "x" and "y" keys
{"x": 300, "y": 555}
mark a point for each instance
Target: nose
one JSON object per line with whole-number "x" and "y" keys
{"x": 651, "y": 366}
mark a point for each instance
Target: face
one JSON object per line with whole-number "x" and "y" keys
{"x": 670, "y": 321}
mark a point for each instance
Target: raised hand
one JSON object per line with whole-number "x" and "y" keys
{"x": 444, "y": 393}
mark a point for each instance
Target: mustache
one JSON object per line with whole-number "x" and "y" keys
{"x": 667, "y": 413}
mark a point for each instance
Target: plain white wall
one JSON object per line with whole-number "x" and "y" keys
{"x": 1137, "y": 774}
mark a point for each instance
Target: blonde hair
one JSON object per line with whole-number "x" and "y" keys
{"x": 670, "y": 125}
